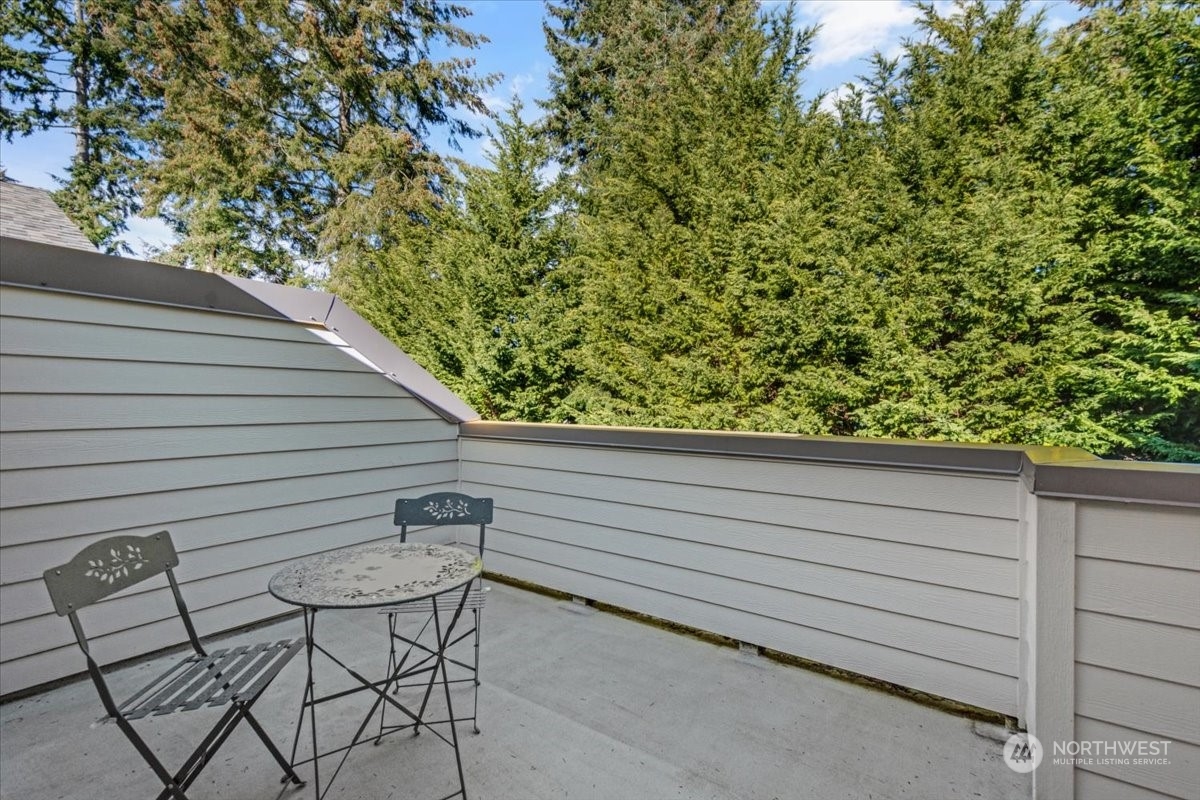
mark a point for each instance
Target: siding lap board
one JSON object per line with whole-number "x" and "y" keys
{"x": 99, "y": 412}
{"x": 1137, "y": 644}
{"x": 253, "y": 440}
{"x": 42, "y": 375}
{"x": 825, "y": 562}
{"x": 23, "y": 525}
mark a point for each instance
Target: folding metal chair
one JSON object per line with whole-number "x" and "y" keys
{"x": 235, "y": 677}
{"x": 437, "y": 509}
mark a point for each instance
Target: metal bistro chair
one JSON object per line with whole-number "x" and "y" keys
{"x": 235, "y": 677}
{"x": 437, "y": 509}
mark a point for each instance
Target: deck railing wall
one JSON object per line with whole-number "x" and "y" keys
{"x": 253, "y": 440}
{"x": 1040, "y": 582}
{"x": 1137, "y": 642}
{"x": 908, "y": 573}
{"x": 1114, "y": 639}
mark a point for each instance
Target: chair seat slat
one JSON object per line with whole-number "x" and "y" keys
{"x": 283, "y": 654}
{"x": 220, "y": 679}
{"x": 197, "y": 666}
{"x": 213, "y": 665}
{"x": 135, "y": 699}
{"x": 475, "y": 600}
{"x": 231, "y": 686}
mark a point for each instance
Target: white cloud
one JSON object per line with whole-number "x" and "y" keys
{"x": 852, "y": 30}
{"x": 498, "y": 101}
{"x": 831, "y": 98}
{"x": 520, "y": 83}
{"x": 148, "y": 236}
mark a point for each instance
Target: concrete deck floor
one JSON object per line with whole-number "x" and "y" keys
{"x": 574, "y": 704}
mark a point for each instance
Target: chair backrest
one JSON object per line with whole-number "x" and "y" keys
{"x": 444, "y": 508}
{"x": 106, "y": 567}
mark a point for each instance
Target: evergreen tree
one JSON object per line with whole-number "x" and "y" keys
{"x": 1003, "y": 321}
{"x": 65, "y": 65}
{"x": 294, "y": 132}
{"x": 1124, "y": 141}
{"x": 683, "y": 259}
{"x": 603, "y": 49}
{"x": 966, "y": 337}
{"x": 479, "y": 294}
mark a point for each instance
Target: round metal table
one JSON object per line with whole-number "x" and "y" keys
{"x": 373, "y": 576}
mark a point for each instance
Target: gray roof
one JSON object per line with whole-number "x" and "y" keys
{"x": 31, "y": 214}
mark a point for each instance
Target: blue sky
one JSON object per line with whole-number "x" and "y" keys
{"x": 851, "y": 30}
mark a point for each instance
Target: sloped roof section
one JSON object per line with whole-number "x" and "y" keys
{"x": 369, "y": 345}
{"x": 27, "y": 263}
{"x": 31, "y": 214}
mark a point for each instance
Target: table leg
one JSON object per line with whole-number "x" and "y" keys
{"x": 441, "y": 664}
{"x": 310, "y": 628}
{"x": 396, "y": 669}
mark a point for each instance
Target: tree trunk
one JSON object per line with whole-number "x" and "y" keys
{"x": 83, "y": 88}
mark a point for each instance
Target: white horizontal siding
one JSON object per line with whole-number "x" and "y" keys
{"x": 145, "y": 510}
{"x": 904, "y": 576}
{"x": 34, "y": 375}
{"x": 76, "y": 448}
{"x": 73, "y": 340}
{"x": 254, "y": 441}
{"x": 1178, "y": 779}
{"x": 1155, "y": 594}
{"x": 50, "y": 412}
{"x": 1094, "y": 786}
{"x": 57, "y": 484}
{"x": 1137, "y": 645}
{"x": 1140, "y": 534}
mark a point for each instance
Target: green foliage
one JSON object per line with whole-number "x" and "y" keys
{"x": 1127, "y": 109}
{"x": 63, "y": 65}
{"x": 478, "y": 293}
{"x": 994, "y": 238}
{"x": 681, "y": 255}
{"x": 292, "y": 134}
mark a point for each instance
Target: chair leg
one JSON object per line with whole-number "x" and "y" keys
{"x": 200, "y": 757}
{"x": 289, "y": 772}
{"x": 475, "y": 712}
{"x": 172, "y": 789}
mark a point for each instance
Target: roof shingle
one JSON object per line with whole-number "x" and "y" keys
{"x": 31, "y": 214}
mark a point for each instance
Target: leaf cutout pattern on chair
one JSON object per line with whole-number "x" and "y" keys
{"x": 117, "y": 565}
{"x": 449, "y": 509}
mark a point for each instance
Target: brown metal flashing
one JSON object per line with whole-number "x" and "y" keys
{"x": 290, "y": 302}
{"x": 1121, "y": 481}
{"x": 42, "y": 266}
{"x": 329, "y": 311}
{"x": 397, "y": 364}
{"x": 951, "y": 456}
{"x": 1047, "y": 471}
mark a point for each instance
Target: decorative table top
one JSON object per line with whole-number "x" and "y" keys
{"x": 374, "y": 575}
